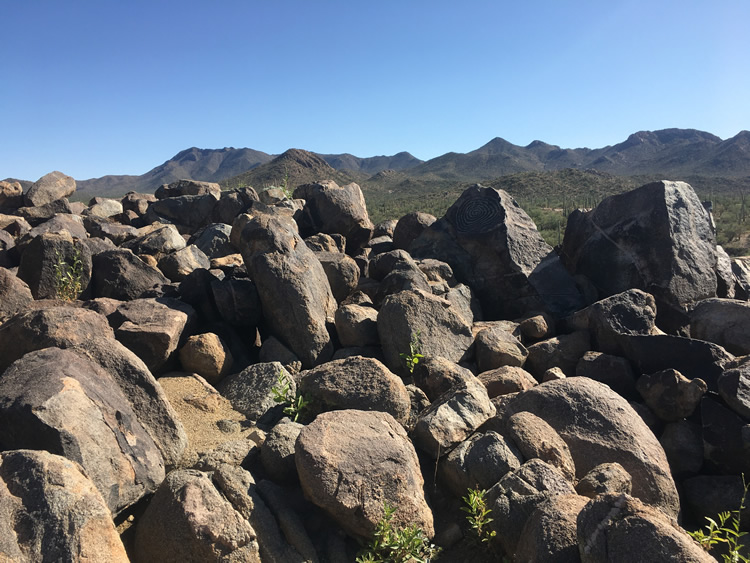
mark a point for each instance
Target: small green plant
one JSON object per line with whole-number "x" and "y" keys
{"x": 392, "y": 545}
{"x": 413, "y": 356}
{"x": 726, "y": 532}
{"x": 68, "y": 276}
{"x": 295, "y": 403}
{"x": 478, "y": 515}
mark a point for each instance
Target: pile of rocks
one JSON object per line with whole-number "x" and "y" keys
{"x": 231, "y": 381}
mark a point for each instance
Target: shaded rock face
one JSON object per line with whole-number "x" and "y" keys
{"x": 335, "y": 210}
{"x": 657, "y": 238}
{"x": 350, "y": 462}
{"x": 15, "y": 294}
{"x": 494, "y": 247}
{"x": 53, "y": 512}
{"x": 356, "y": 383}
{"x": 725, "y": 322}
{"x": 190, "y": 520}
{"x": 600, "y": 426}
{"x": 49, "y": 188}
{"x": 120, "y": 274}
{"x": 609, "y": 525}
{"x": 292, "y": 285}
{"x": 550, "y": 532}
{"x": 58, "y": 401}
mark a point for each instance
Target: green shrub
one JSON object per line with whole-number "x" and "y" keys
{"x": 295, "y": 403}
{"x": 68, "y": 276}
{"x": 392, "y": 545}
{"x": 413, "y": 356}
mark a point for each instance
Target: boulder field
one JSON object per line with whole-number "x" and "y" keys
{"x": 207, "y": 375}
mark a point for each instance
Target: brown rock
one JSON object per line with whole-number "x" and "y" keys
{"x": 49, "y": 188}
{"x": 670, "y": 395}
{"x": 506, "y": 379}
{"x": 536, "y": 439}
{"x": 207, "y": 355}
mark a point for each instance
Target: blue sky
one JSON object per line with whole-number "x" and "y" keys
{"x": 95, "y": 87}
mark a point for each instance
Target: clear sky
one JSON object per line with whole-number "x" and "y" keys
{"x": 95, "y": 87}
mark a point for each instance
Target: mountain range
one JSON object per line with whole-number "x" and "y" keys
{"x": 671, "y": 153}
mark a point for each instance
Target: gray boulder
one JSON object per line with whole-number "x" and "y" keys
{"x": 188, "y": 519}
{"x": 56, "y": 266}
{"x": 725, "y": 322}
{"x": 62, "y": 402}
{"x": 332, "y": 209}
{"x": 495, "y": 347}
{"x": 506, "y": 379}
{"x": 352, "y": 462}
{"x": 734, "y": 387}
{"x": 494, "y": 247}
{"x": 178, "y": 265}
{"x": 357, "y": 325}
{"x": 657, "y": 238}
{"x": 536, "y": 439}
{"x": 355, "y": 383}
{"x": 191, "y": 212}
{"x": 120, "y": 274}
{"x": 411, "y": 316}
{"x": 156, "y": 239}
{"x": 563, "y": 351}
{"x": 549, "y": 535}
{"x": 15, "y": 294}
{"x": 600, "y": 426}
{"x": 342, "y": 273}
{"x": 609, "y": 525}
{"x": 214, "y": 240}
{"x": 409, "y": 227}
{"x": 251, "y": 390}
{"x": 292, "y": 285}
{"x": 53, "y": 512}
{"x": 187, "y": 187}
{"x": 277, "y": 451}
{"x": 49, "y": 188}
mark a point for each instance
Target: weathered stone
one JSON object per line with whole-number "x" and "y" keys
{"x": 187, "y": 187}
{"x": 103, "y": 207}
{"x": 15, "y": 295}
{"x": 62, "y": 402}
{"x": 357, "y": 325}
{"x": 56, "y": 266}
{"x": 537, "y": 327}
{"x": 352, "y": 462}
{"x": 708, "y": 495}
{"x": 37, "y": 215}
{"x": 611, "y": 370}
{"x": 506, "y": 379}
{"x": 178, "y": 265}
{"x": 383, "y": 264}
{"x": 416, "y": 315}
{"x": 191, "y": 212}
{"x": 683, "y": 443}
{"x": 608, "y": 525}
{"x": 355, "y": 383}
{"x": 670, "y": 395}
{"x": 118, "y": 233}
{"x": 206, "y": 355}
{"x": 49, "y": 188}
{"x": 550, "y": 531}
{"x": 292, "y": 285}
{"x": 734, "y": 387}
{"x": 725, "y": 322}
{"x": 494, "y": 247}
{"x": 725, "y": 278}
{"x": 189, "y": 520}
{"x": 536, "y": 439}
{"x": 409, "y": 227}
{"x": 605, "y": 478}
{"x": 452, "y": 417}
{"x": 515, "y": 497}
{"x": 120, "y": 274}
{"x": 342, "y": 273}
{"x": 250, "y": 391}
{"x": 479, "y": 462}
{"x": 726, "y": 440}
{"x": 562, "y": 351}
{"x": 333, "y": 209}
{"x": 657, "y": 238}
{"x": 136, "y": 202}
{"x": 435, "y": 375}
{"x": 152, "y": 329}
{"x": 277, "y": 451}
{"x": 237, "y": 302}
{"x": 402, "y": 278}
{"x": 11, "y": 195}
{"x": 213, "y": 241}
{"x": 156, "y": 239}
{"x": 599, "y": 426}
{"x": 53, "y": 512}
{"x": 494, "y": 348}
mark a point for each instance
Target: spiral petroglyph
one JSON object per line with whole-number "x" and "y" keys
{"x": 478, "y": 215}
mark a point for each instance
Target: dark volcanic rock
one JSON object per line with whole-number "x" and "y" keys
{"x": 494, "y": 247}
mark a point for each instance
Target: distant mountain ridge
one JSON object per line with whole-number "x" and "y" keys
{"x": 673, "y": 153}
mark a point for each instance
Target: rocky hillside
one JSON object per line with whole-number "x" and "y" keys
{"x": 208, "y": 375}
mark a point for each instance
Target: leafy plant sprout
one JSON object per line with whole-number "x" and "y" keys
{"x": 68, "y": 276}
{"x": 414, "y": 355}
{"x": 393, "y": 545}
{"x": 295, "y": 403}
{"x": 726, "y": 532}
{"x": 478, "y": 515}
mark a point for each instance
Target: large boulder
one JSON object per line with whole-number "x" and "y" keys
{"x": 725, "y": 322}
{"x": 600, "y": 426}
{"x": 62, "y": 402}
{"x": 190, "y": 520}
{"x": 657, "y": 238}
{"x": 120, "y": 274}
{"x": 187, "y": 187}
{"x": 622, "y": 528}
{"x": 494, "y": 247}
{"x": 88, "y": 334}
{"x": 356, "y": 383}
{"x": 56, "y": 266}
{"x": 156, "y": 239}
{"x": 15, "y": 294}
{"x": 49, "y": 188}
{"x": 251, "y": 391}
{"x": 332, "y": 209}
{"x": 53, "y": 512}
{"x": 191, "y": 212}
{"x": 292, "y": 285}
{"x": 417, "y": 319}
{"x": 350, "y": 463}
{"x": 549, "y": 535}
